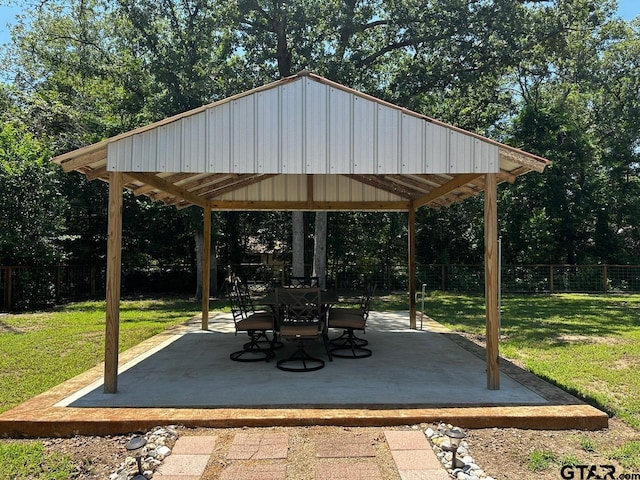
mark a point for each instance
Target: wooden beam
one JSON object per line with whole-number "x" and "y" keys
{"x": 206, "y": 268}
{"x": 96, "y": 173}
{"x": 163, "y": 185}
{"x": 412, "y": 266}
{"x": 309, "y": 189}
{"x": 507, "y": 177}
{"x": 83, "y": 160}
{"x": 491, "y": 279}
{"x": 456, "y": 182}
{"x": 174, "y": 178}
{"x": 114, "y": 266}
{"x": 399, "y": 206}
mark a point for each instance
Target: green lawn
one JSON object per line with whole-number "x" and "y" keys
{"x": 587, "y": 344}
{"x": 40, "y": 350}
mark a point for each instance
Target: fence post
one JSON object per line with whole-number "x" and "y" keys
{"x": 550, "y": 278}
{"x": 605, "y": 284}
{"x": 443, "y": 276}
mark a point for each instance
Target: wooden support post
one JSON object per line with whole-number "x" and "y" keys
{"x": 412, "y": 266}
{"x": 206, "y": 268}
{"x": 114, "y": 267}
{"x": 491, "y": 279}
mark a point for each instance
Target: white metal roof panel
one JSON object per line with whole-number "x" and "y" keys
{"x": 303, "y": 126}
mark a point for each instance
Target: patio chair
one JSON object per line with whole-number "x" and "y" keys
{"x": 248, "y": 307}
{"x": 348, "y": 345}
{"x": 301, "y": 320}
{"x": 304, "y": 282}
{"x": 256, "y": 324}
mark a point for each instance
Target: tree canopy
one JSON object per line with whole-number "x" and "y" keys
{"x": 559, "y": 78}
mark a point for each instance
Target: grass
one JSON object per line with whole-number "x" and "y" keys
{"x": 627, "y": 455}
{"x": 42, "y": 349}
{"x": 540, "y": 460}
{"x": 587, "y": 344}
{"x": 588, "y": 445}
{"x": 29, "y": 460}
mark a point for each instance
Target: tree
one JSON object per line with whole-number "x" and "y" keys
{"x": 555, "y": 77}
{"x": 31, "y": 224}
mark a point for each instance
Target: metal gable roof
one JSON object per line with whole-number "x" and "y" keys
{"x": 227, "y": 154}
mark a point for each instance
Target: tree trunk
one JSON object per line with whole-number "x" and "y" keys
{"x": 297, "y": 260}
{"x": 213, "y": 273}
{"x": 320, "y": 249}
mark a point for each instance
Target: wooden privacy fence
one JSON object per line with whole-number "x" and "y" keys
{"x": 23, "y": 287}
{"x": 27, "y": 286}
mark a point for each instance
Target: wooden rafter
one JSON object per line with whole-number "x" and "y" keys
{"x": 377, "y": 182}
{"x": 447, "y": 188}
{"x": 163, "y": 185}
{"x": 246, "y": 181}
{"x": 220, "y": 182}
{"x": 415, "y": 182}
{"x": 96, "y": 173}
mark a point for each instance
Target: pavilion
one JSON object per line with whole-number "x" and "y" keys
{"x": 301, "y": 143}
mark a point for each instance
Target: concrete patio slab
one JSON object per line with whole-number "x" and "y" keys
{"x": 184, "y": 376}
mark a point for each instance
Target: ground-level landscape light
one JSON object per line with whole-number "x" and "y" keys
{"x": 134, "y": 447}
{"x": 455, "y": 437}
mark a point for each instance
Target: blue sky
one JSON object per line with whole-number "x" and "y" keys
{"x": 628, "y": 9}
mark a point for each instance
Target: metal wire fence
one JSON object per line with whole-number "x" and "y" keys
{"x": 23, "y": 287}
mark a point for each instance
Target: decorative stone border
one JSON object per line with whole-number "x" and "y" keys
{"x": 470, "y": 470}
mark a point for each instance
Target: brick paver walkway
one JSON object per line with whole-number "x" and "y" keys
{"x": 268, "y": 456}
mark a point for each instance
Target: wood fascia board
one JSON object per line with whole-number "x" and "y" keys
{"x": 457, "y": 182}
{"x": 83, "y": 160}
{"x": 164, "y": 186}
{"x": 304, "y": 205}
{"x": 521, "y": 157}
